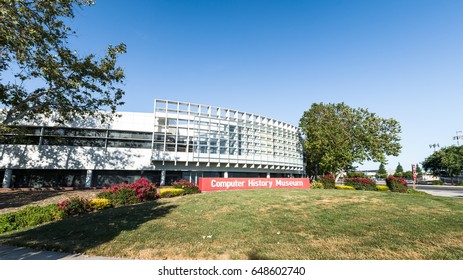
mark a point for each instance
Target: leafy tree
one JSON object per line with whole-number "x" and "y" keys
{"x": 399, "y": 168}
{"x": 337, "y": 136}
{"x": 407, "y": 174}
{"x": 419, "y": 171}
{"x": 446, "y": 161}
{"x": 45, "y": 77}
{"x": 382, "y": 173}
{"x": 399, "y": 171}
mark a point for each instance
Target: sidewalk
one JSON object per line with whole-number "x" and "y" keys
{"x": 22, "y": 253}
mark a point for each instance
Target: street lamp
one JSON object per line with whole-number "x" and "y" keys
{"x": 458, "y": 137}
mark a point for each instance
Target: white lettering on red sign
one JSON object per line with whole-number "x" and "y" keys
{"x": 211, "y": 184}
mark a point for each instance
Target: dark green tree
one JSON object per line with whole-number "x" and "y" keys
{"x": 408, "y": 174}
{"x": 382, "y": 173}
{"x": 419, "y": 171}
{"x": 399, "y": 171}
{"x": 446, "y": 161}
{"x": 337, "y": 136}
{"x": 46, "y": 78}
{"x": 399, "y": 168}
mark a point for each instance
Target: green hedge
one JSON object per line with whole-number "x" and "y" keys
{"x": 29, "y": 216}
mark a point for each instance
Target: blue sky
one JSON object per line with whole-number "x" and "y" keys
{"x": 401, "y": 59}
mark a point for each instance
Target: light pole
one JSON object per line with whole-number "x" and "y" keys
{"x": 458, "y": 137}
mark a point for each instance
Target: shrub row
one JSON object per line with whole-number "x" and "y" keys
{"x": 119, "y": 195}
{"x": 364, "y": 184}
{"x": 29, "y": 216}
{"x": 75, "y": 206}
{"x": 393, "y": 184}
{"x": 127, "y": 194}
{"x": 188, "y": 187}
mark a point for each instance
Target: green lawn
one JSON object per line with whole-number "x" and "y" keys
{"x": 264, "y": 224}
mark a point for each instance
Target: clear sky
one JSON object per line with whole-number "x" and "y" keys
{"x": 401, "y": 59}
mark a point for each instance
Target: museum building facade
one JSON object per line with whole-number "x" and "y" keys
{"x": 179, "y": 140}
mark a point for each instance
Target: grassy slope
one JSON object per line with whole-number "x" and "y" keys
{"x": 265, "y": 224}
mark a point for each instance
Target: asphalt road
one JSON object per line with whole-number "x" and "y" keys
{"x": 448, "y": 191}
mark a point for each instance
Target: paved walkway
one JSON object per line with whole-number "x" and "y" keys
{"x": 21, "y": 253}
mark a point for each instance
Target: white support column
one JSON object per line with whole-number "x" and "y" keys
{"x": 7, "y": 178}
{"x": 268, "y": 174}
{"x": 163, "y": 177}
{"x": 88, "y": 179}
{"x": 225, "y": 174}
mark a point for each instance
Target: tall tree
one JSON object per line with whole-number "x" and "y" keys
{"x": 446, "y": 161}
{"x": 382, "y": 173}
{"x": 399, "y": 171}
{"x": 419, "y": 171}
{"x": 337, "y": 136}
{"x": 46, "y": 77}
{"x": 399, "y": 168}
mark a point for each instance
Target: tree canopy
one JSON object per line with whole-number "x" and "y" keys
{"x": 446, "y": 161}
{"x": 44, "y": 75}
{"x": 382, "y": 173}
{"x": 337, "y": 136}
{"x": 399, "y": 171}
{"x": 399, "y": 168}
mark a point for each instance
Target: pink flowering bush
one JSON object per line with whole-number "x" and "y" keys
{"x": 397, "y": 184}
{"x": 328, "y": 181}
{"x": 144, "y": 190}
{"x": 127, "y": 194}
{"x": 74, "y": 206}
{"x": 365, "y": 184}
{"x": 187, "y": 186}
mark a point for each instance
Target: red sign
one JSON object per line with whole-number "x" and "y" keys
{"x": 414, "y": 171}
{"x": 225, "y": 184}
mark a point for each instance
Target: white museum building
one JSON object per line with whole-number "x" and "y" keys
{"x": 178, "y": 140}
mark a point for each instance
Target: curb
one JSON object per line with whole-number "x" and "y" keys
{"x": 22, "y": 253}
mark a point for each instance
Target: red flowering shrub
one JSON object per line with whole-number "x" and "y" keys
{"x": 187, "y": 186}
{"x": 397, "y": 184}
{"x": 144, "y": 190}
{"x": 328, "y": 181}
{"x": 365, "y": 184}
{"x": 126, "y": 194}
{"x": 75, "y": 206}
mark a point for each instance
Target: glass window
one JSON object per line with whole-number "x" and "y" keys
{"x": 129, "y": 144}
{"x": 20, "y": 140}
{"x": 129, "y": 135}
